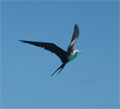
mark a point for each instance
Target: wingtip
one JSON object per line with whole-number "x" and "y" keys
{"x": 21, "y": 40}
{"x": 76, "y": 25}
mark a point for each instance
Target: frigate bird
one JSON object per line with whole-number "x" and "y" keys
{"x": 65, "y": 56}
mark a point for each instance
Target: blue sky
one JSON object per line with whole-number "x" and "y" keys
{"x": 89, "y": 81}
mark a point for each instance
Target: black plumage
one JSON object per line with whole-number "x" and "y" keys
{"x": 63, "y": 55}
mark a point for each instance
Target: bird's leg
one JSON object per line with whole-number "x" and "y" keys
{"x": 61, "y": 67}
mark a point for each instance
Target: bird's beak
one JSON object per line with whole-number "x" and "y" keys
{"x": 81, "y": 51}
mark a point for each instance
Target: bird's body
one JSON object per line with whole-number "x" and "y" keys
{"x": 72, "y": 56}
{"x": 65, "y": 56}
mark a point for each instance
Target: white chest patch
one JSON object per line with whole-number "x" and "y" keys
{"x": 72, "y": 56}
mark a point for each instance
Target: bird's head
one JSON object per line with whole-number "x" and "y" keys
{"x": 77, "y": 51}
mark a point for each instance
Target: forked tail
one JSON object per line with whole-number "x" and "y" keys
{"x": 61, "y": 67}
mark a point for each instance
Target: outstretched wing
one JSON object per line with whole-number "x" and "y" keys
{"x": 74, "y": 38}
{"x": 50, "y": 47}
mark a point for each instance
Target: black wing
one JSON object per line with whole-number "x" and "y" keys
{"x": 51, "y": 47}
{"x": 74, "y": 38}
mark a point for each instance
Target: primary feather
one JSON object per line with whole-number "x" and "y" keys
{"x": 74, "y": 38}
{"x": 50, "y": 47}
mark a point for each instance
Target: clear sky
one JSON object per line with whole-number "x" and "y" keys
{"x": 89, "y": 81}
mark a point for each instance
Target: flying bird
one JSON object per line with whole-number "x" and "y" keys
{"x": 65, "y": 56}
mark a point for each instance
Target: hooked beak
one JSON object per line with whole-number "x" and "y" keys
{"x": 81, "y": 51}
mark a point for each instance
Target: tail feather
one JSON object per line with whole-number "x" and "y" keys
{"x": 61, "y": 67}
